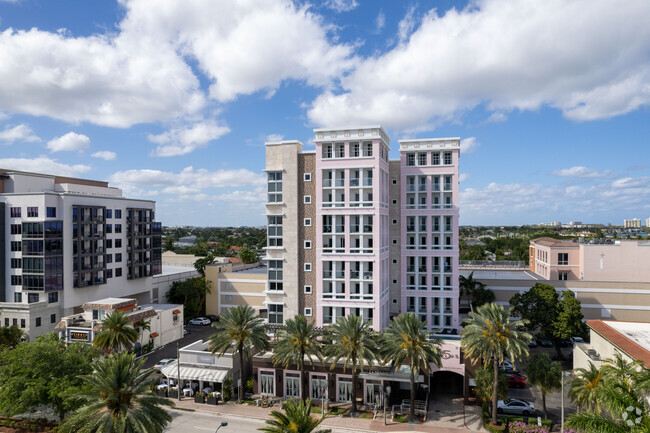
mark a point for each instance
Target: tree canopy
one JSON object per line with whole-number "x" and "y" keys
{"x": 191, "y": 293}
{"x": 545, "y": 374}
{"x": 247, "y": 255}
{"x": 10, "y": 335}
{"x": 41, "y": 373}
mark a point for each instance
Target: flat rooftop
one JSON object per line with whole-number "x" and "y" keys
{"x": 175, "y": 269}
{"x": 255, "y": 270}
{"x": 639, "y": 332}
{"x": 495, "y": 274}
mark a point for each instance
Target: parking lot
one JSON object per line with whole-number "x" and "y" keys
{"x": 169, "y": 351}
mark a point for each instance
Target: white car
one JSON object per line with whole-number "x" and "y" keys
{"x": 163, "y": 362}
{"x": 576, "y": 340}
{"x": 200, "y": 321}
{"x": 514, "y": 406}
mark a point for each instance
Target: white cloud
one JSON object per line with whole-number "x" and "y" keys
{"x": 69, "y": 141}
{"x": 581, "y": 171}
{"x": 189, "y": 177}
{"x": 274, "y": 137}
{"x": 380, "y": 21}
{"x": 44, "y": 165}
{"x": 565, "y": 55}
{"x": 497, "y": 117}
{"x": 106, "y": 155}
{"x": 469, "y": 145}
{"x": 19, "y": 133}
{"x": 463, "y": 177}
{"x": 406, "y": 25}
{"x": 181, "y": 141}
{"x": 341, "y": 5}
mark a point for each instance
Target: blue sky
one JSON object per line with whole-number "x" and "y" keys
{"x": 174, "y": 102}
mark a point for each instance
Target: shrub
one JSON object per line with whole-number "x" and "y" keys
{"x": 249, "y": 385}
{"x": 366, "y": 415}
{"x": 227, "y": 389}
{"x": 521, "y": 427}
{"x": 401, "y": 418}
{"x": 494, "y": 428}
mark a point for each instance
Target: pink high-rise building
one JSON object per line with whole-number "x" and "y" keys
{"x": 352, "y": 232}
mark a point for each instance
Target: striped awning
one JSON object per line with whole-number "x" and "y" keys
{"x": 195, "y": 373}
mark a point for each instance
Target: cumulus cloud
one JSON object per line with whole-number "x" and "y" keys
{"x": 463, "y": 177}
{"x": 274, "y": 137}
{"x": 469, "y": 145}
{"x": 181, "y": 141}
{"x": 190, "y": 177}
{"x": 43, "y": 165}
{"x": 406, "y": 25}
{"x": 341, "y": 5}
{"x": 380, "y": 22}
{"x": 581, "y": 171}
{"x": 69, "y": 141}
{"x": 106, "y": 155}
{"x": 20, "y": 133}
{"x": 565, "y": 55}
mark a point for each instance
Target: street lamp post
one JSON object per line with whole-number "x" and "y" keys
{"x": 386, "y": 397}
{"x": 564, "y": 373}
{"x": 223, "y": 424}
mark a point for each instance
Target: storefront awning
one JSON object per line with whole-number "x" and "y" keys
{"x": 391, "y": 377}
{"x": 195, "y": 373}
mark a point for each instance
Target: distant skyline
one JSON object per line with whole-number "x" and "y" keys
{"x": 174, "y": 102}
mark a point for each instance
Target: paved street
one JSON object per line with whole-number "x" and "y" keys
{"x": 169, "y": 351}
{"x": 201, "y": 422}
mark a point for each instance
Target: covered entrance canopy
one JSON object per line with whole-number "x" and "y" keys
{"x": 189, "y": 372}
{"x": 402, "y": 374}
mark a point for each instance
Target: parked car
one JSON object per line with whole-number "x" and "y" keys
{"x": 565, "y": 343}
{"x": 212, "y": 317}
{"x": 576, "y": 340}
{"x": 516, "y": 380}
{"x": 201, "y": 321}
{"x": 163, "y": 362}
{"x": 515, "y": 406}
{"x": 545, "y": 342}
{"x": 508, "y": 370}
{"x": 532, "y": 342}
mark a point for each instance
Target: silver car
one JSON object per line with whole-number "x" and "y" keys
{"x": 514, "y": 406}
{"x": 202, "y": 321}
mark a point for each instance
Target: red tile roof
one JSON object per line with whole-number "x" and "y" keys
{"x": 622, "y": 342}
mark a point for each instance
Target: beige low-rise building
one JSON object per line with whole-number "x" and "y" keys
{"x": 232, "y": 288}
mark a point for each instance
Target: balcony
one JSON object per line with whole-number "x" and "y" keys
{"x": 340, "y": 182}
{"x": 354, "y": 182}
{"x": 327, "y": 183}
{"x": 422, "y": 188}
{"x": 447, "y": 187}
{"x": 367, "y": 182}
{"x": 410, "y": 188}
{"x": 435, "y": 187}
{"x": 367, "y": 229}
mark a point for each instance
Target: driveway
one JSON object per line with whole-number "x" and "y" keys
{"x": 169, "y": 350}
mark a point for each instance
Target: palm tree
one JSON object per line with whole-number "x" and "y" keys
{"x": 297, "y": 419}
{"x": 584, "y": 391}
{"x": 544, "y": 373}
{"x": 298, "y": 339}
{"x": 119, "y": 399}
{"x": 468, "y": 287}
{"x": 488, "y": 334}
{"x": 142, "y": 326}
{"x": 407, "y": 342}
{"x": 354, "y": 341}
{"x": 242, "y": 331}
{"x": 117, "y": 333}
{"x": 621, "y": 369}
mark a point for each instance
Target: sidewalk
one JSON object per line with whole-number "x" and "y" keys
{"x": 442, "y": 425}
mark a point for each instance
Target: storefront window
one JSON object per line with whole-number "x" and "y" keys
{"x": 318, "y": 386}
{"x": 345, "y": 389}
{"x": 293, "y": 385}
{"x": 266, "y": 382}
{"x": 373, "y": 392}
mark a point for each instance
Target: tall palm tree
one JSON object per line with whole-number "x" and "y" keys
{"x": 584, "y": 390}
{"x": 141, "y": 326}
{"x": 353, "y": 340}
{"x": 406, "y": 341}
{"x": 117, "y": 333}
{"x": 241, "y": 331}
{"x": 488, "y": 334}
{"x": 298, "y": 338}
{"x": 468, "y": 287}
{"x": 620, "y": 369}
{"x": 297, "y": 419}
{"x": 119, "y": 399}
{"x": 545, "y": 374}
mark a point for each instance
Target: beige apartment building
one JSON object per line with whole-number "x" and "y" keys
{"x": 233, "y": 288}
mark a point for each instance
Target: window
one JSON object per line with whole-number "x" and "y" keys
{"x": 118, "y": 243}
{"x": 109, "y": 258}
{"x": 109, "y": 243}
{"x": 118, "y": 272}
{"x": 267, "y": 382}
{"x": 563, "y": 258}
{"x": 32, "y": 297}
{"x": 307, "y": 199}
{"x": 394, "y": 181}
{"x": 394, "y": 201}
{"x": 307, "y": 267}
{"x": 275, "y": 313}
{"x": 118, "y": 257}
{"x": 447, "y": 158}
{"x": 6, "y": 321}
{"x": 50, "y": 212}
{"x": 308, "y": 245}
{"x": 422, "y": 159}
{"x": 318, "y": 387}
{"x": 118, "y": 213}
{"x": 109, "y": 213}
{"x": 16, "y": 264}
{"x": 38, "y": 322}
{"x": 307, "y": 290}
{"x": 16, "y": 280}
{"x": 307, "y": 177}
{"x": 109, "y": 273}
{"x": 118, "y": 228}
{"x": 394, "y": 222}
{"x": 53, "y": 318}
{"x": 52, "y": 297}
{"x": 109, "y": 228}
{"x": 14, "y": 322}
{"x": 32, "y": 212}
{"x": 22, "y": 323}
{"x": 394, "y": 281}
{"x": 275, "y": 275}
{"x": 18, "y": 297}
{"x": 16, "y": 229}
{"x": 563, "y": 276}
{"x": 292, "y": 385}
{"x": 410, "y": 159}
{"x": 394, "y": 261}
{"x": 15, "y": 212}
{"x": 394, "y": 241}
{"x": 307, "y": 222}
{"x": 274, "y": 186}
{"x": 228, "y": 299}
{"x": 308, "y": 312}
{"x": 394, "y": 301}
{"x": 354, "y": 150}
{"x": 15, "y": 246}
{"x": 274, "y": 230}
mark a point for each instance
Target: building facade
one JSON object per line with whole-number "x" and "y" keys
{"x": 69, "y": 241}
{"x": 634, "y": 223}
{"x": 352, "y": 232}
